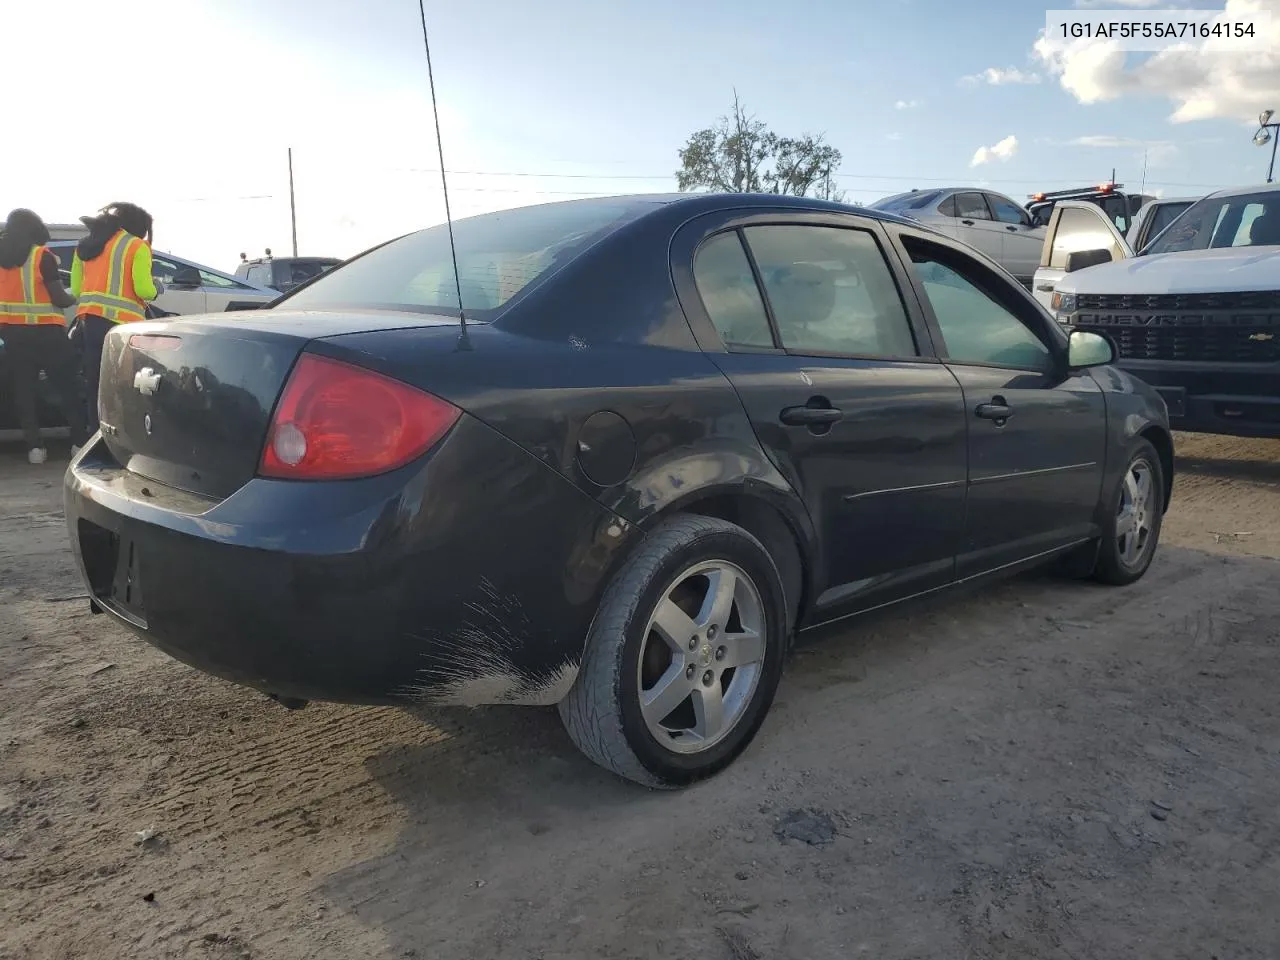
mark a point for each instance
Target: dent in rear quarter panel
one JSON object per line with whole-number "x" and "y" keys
{"x": 503, "y": 563}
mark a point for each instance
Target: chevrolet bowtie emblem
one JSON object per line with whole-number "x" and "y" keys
{"x": 146, "y": 381}
{"x": 1262, "y": 337}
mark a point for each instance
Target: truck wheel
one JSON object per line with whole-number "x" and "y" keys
{"x": 1133, "y": 528}
{"x": 683, "y": 657}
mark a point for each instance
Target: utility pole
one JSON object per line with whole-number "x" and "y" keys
{"x": 293, "y": 210}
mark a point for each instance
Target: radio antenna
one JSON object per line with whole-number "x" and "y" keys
{"x": 464, "y": 339}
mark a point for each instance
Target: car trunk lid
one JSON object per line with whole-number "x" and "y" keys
{"x": 188, "y": 403}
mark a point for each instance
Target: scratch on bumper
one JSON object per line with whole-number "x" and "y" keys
{"x": 475, "y": 664}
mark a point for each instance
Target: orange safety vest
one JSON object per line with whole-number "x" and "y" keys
{"x": 106, "y": 285}
{"x": 23, "y": 295}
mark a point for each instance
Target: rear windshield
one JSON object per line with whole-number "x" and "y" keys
{"x": 499, "y": 255}
{"x": 1243, "y": 220}
{"x": 907, "y": 201}
{"x": 300, "y": 271}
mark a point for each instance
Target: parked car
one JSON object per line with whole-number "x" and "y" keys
{"x": 674, "y": 432}
{"x": 1153, "y": 218}
{"x": 67, "y": 231}
{"x": 189, "y": 287}
{"x": 1196, "y": 313}
{"x": 987, "y": 221}
{"x": 282, "y": 273}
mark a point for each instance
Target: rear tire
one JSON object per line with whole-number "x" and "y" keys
{"x": 1134, "y": 518}
{"x": 683, "y": 657}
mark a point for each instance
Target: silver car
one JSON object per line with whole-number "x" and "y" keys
{"x": 987, "y": 221}
{"x": 186, "y": 286}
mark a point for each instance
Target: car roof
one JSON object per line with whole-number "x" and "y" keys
{"x": 695, "y": 203}
{"x": 1241, "y": 191}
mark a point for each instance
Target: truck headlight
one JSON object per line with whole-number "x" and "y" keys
{"x": 1063, "y": 305}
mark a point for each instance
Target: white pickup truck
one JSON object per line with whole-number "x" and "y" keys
{"x": 1196, "y": 313}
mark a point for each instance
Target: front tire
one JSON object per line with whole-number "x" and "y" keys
{"x": 1133, "y": 528}
{"x": 683, "y": 657}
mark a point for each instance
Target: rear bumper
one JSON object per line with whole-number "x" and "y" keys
{"x": 1239, "y": 400}
{"x": 469, "y": 577}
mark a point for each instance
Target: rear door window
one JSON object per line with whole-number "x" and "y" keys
{"x": 729, "y": 292}
{"x": 971, "y": 206}
{"x": 831, "y": 291}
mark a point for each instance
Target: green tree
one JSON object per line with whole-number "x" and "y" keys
{"x": 740, "y": 154}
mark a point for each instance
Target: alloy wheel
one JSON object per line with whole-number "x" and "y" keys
{"x": 701, "y": 657}
{"x": 1135, "y": 515}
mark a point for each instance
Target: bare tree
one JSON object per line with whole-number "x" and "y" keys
{"x": 740, "y": 154}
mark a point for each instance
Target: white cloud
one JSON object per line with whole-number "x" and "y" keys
{"x": 1002, "y": 151}
{"x": 893, "y": 136}
{"x": 1204, "y": 81}
{"x": 1118, "y": 3}
{"x": 997, "y": 76}
{"x": 906, "y": 104}
{"x": 1106, "y": 142}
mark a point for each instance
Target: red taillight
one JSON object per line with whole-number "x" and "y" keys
{"x": 336, "y": 421}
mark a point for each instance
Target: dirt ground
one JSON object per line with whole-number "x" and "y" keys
{"x": 1049, "y": 770}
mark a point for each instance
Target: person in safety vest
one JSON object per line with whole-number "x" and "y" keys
{"x": 34, "y": 330}
{"x": 111, "y": 276}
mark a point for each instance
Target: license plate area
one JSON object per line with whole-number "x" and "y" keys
{"x": 1175, "y": 398}
{"x": 113, "y": 567}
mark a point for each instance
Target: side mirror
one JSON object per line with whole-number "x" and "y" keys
{"x": 1087, "y": 258}
{"x": 1086, "y": 349}
{"x": 185, "y": 278}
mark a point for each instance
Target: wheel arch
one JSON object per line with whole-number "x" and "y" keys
{"x": 1161, "y": 439}
{"x": 781, "y": 527}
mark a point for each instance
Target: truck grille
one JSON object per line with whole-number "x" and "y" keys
{"x": 1202, "y": 344}
{"x": 1248, "y": 301}
{"x": 1230, "y": 327}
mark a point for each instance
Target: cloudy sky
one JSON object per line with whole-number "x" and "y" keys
{"x": 196, "y": 101}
